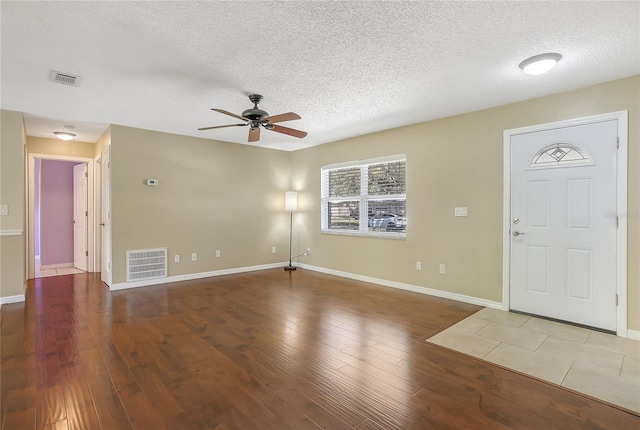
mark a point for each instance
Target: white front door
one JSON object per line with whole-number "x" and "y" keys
{"x": 563, "y": 223}
{"x": 80, "y": 214}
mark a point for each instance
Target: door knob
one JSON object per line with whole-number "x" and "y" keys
{"x": 517, "y": 233}
{"x": 102, "y": 224}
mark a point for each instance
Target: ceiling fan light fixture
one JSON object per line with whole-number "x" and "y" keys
{"x": 539, "y": 64}
{"x": 64, "y": 135}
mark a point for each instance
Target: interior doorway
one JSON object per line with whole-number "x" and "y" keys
{"x": 60, "y": 233}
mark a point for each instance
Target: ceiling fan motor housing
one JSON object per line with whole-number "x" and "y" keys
{"x": 255, "y": 114}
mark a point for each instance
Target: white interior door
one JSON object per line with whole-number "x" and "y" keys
{"x": 563, "y": 223}
{"x": 105, "y": 221}
{"x": 80, "y": 216}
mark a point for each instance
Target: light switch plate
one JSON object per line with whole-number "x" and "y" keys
{"x": 460, "y": 211}
{"x": 4, "y": 209}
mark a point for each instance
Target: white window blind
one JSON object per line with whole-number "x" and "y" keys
{"x": 365, "y": 197}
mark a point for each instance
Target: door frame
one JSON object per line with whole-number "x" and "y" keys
{"x": 31, "y": 257}
{"x": 102, "y": 193}
{"x": 84, "y": 200}
{"x": 621, "y": 206}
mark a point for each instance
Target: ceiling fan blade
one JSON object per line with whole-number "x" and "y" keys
{"x": 223, "y": 126}
{"x": 230, "y": 114}
{"x": 254, "y": 134}
{"x": 289, "y": 116}
{"x": 289, "y": 131}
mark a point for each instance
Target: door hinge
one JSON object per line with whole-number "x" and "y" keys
{"x": 86, "y": 174}
{"x": 86, "y": 213}
{"x": 616, "y": 300}
{"x": 617, "y": 221}
{"x": 618, "y": 142}
{"x": 86, "y": 253}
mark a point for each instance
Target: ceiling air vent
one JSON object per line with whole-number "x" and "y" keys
{"x": 64, "y": 78}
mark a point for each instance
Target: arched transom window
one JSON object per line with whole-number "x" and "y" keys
{"x": 561, "y": 155}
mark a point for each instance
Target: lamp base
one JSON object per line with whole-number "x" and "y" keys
{"x": 290, "y": 268}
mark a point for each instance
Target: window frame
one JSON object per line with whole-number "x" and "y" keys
{"x": 363, "y": 198}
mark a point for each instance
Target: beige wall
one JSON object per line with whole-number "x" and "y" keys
{"x": 211, "y": 195}
{"x": 12, "y": 193}
{"x": 54, "y": 146}
{"x": 457, "y": 161}
{"x": 103, "y": 142}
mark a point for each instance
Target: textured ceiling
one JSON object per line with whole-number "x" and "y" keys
{"x": 347, "y": 68}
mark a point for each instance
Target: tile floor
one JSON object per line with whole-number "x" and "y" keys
{"x": 45, "y": 273}
{"x": 600, "y": 365}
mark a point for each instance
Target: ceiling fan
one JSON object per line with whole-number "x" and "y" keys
{"x": 256, "y": 118}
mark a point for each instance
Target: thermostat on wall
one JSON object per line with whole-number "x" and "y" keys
{"x": 152, "y": 182}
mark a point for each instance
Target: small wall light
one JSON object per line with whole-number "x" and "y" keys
{"x": 539, "y": 64}
{"x": 64, "y": 135}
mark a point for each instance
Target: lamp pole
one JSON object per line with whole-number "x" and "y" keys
{"x": 290, "y": 205}
{"x": 290, "y": 266}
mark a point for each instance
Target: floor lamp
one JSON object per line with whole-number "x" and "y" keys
{"x": 290, "y": 205}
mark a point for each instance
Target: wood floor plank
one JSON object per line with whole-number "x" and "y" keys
{"x": 106, "y": 400}
{"x": 260, "y": 350}
{"x": 50, "y": 405}
{"x": 24, "y": 419}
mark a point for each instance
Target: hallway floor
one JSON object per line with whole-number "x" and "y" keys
{"x": 45, "y": 273}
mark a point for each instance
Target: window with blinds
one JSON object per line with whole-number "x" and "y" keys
{"x": 366, "y": 197}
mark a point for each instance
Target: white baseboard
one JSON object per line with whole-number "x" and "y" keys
{"x": 11, "y": 299}
{"x": 633, "y": 334}
{"x": 192, "y": 276}
{"x": 407, "y": 287}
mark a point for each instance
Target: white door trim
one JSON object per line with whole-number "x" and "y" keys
{"x": 31, "y": 271}
{"x": 621, "y": 239}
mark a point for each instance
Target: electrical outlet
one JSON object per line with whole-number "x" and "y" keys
{"x": 217, "y": 253}
{"x": 4, "y": 209}
{"x": 308, "y": 250}
{"x": 176, "y": 258}
{"x": 273, "y": 249}
{"x": 194, "y": 256}
{"x": 460, "y": 211}
{"x": 418, "y": 265}
{"x": 442, "y": 269}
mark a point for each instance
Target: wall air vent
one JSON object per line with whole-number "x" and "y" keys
{"x": 145, "y": 264}
{"x": 64, "y": 78}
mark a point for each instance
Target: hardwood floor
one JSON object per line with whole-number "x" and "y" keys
{"x": 263, "y": 350}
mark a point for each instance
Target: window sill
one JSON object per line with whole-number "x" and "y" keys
{"x": 374, "y": 234}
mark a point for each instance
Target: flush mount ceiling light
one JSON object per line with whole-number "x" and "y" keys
{"x": 64, "y": 135}
{"x": 539, "y": 64}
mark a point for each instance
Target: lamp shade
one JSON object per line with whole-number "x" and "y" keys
{"x": 291, "y": 201}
